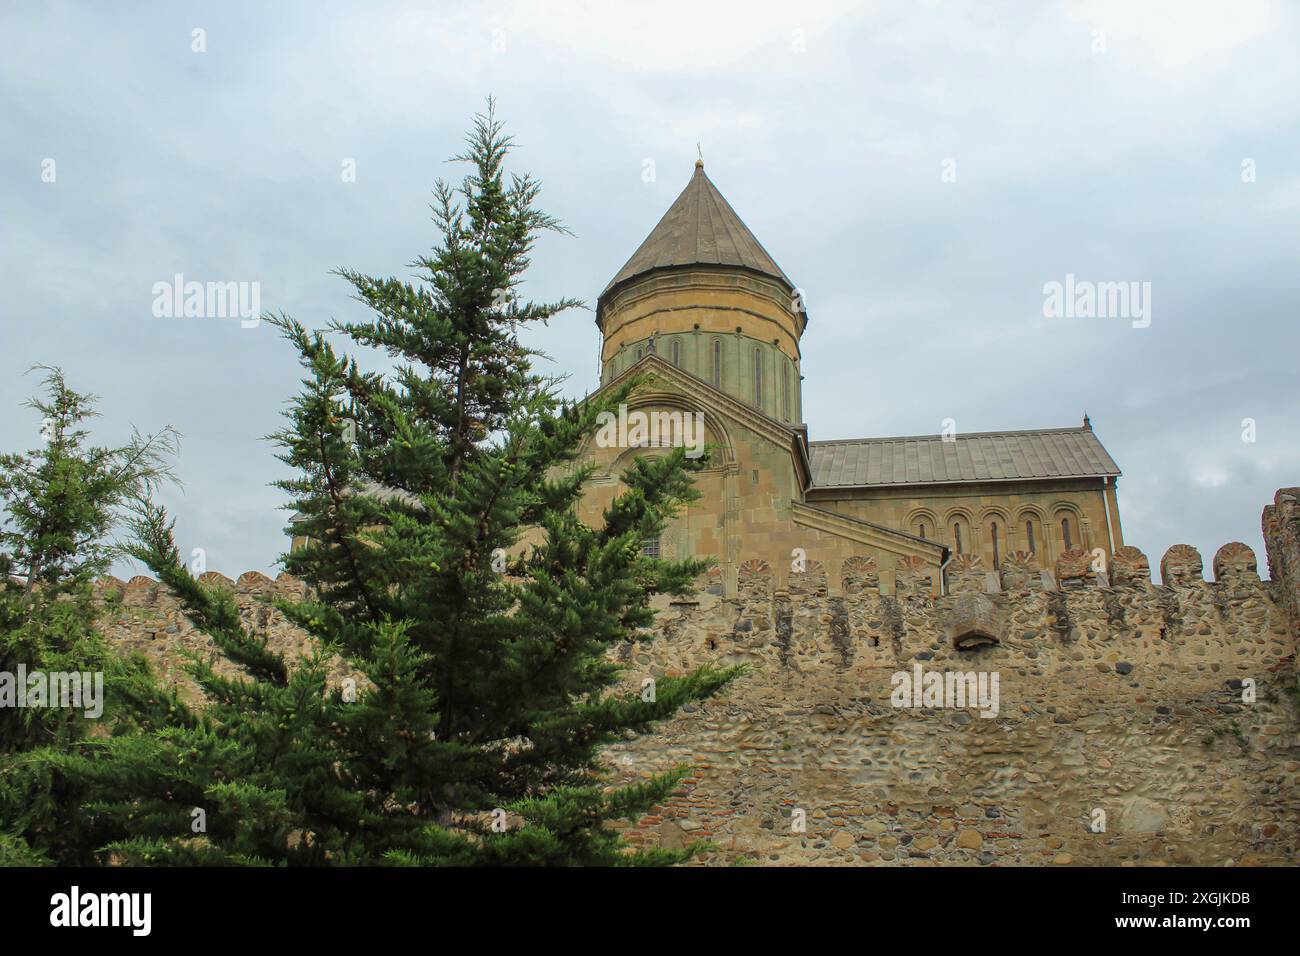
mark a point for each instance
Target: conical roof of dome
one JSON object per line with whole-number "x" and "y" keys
{"x": 699, "y": 228}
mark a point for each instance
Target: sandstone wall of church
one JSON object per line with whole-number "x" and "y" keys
{"x": 772, "y": 386}
{"x": 978, "y": 508}
{"x": 744, "y": 512}
{"x": 743, "y": 499}
{"x": 741, "y": 312}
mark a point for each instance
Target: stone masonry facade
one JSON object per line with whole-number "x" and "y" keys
{"x": 1136, "y": 724}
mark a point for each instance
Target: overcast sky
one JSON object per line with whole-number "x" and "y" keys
{"x": 1111, "y": 141}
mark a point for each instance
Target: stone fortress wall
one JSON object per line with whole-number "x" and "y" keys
{"x": 1136, "y": 724}
{"x": 1123, "y": 734}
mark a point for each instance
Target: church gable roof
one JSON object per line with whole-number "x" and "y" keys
{"x": 699, "y": 228}
{"x": 983, "y": 456}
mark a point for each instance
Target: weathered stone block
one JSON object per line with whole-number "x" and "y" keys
{"x": 1181, "y": 567}
{"x": 972, "y": 622}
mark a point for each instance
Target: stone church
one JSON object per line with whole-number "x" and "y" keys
{"x": 705, "y": 314}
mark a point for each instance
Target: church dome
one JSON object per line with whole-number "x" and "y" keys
{"x": 702, "y": 293}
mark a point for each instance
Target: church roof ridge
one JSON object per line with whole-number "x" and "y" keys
{"x": 1024, "y": 455}
{"x": 958, "y": 435}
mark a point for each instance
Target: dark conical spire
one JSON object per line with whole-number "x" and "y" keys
{"x": 699, "y": 228}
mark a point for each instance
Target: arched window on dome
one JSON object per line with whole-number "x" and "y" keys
{"x": 758, "y": 377}
{"x": 717, "y": 363}
{"x": 785, "y": 392}
{"x": 677, "y": 352}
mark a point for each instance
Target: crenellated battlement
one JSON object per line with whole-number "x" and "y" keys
{"x": 1234, "y": 565}
{"x": 142, "y": 615}
{"x": 144, "y": 590}
{"x": 1085, "y": 596}
{"x": 1085, "y": 610}
{"x": 1281, "y": 526}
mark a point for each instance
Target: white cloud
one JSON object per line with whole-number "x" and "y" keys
{"x": 923, "y": 295}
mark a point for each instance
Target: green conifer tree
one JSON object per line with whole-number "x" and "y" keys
{"x": 448, "y": 568}
{"x": 61, "y": 503}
